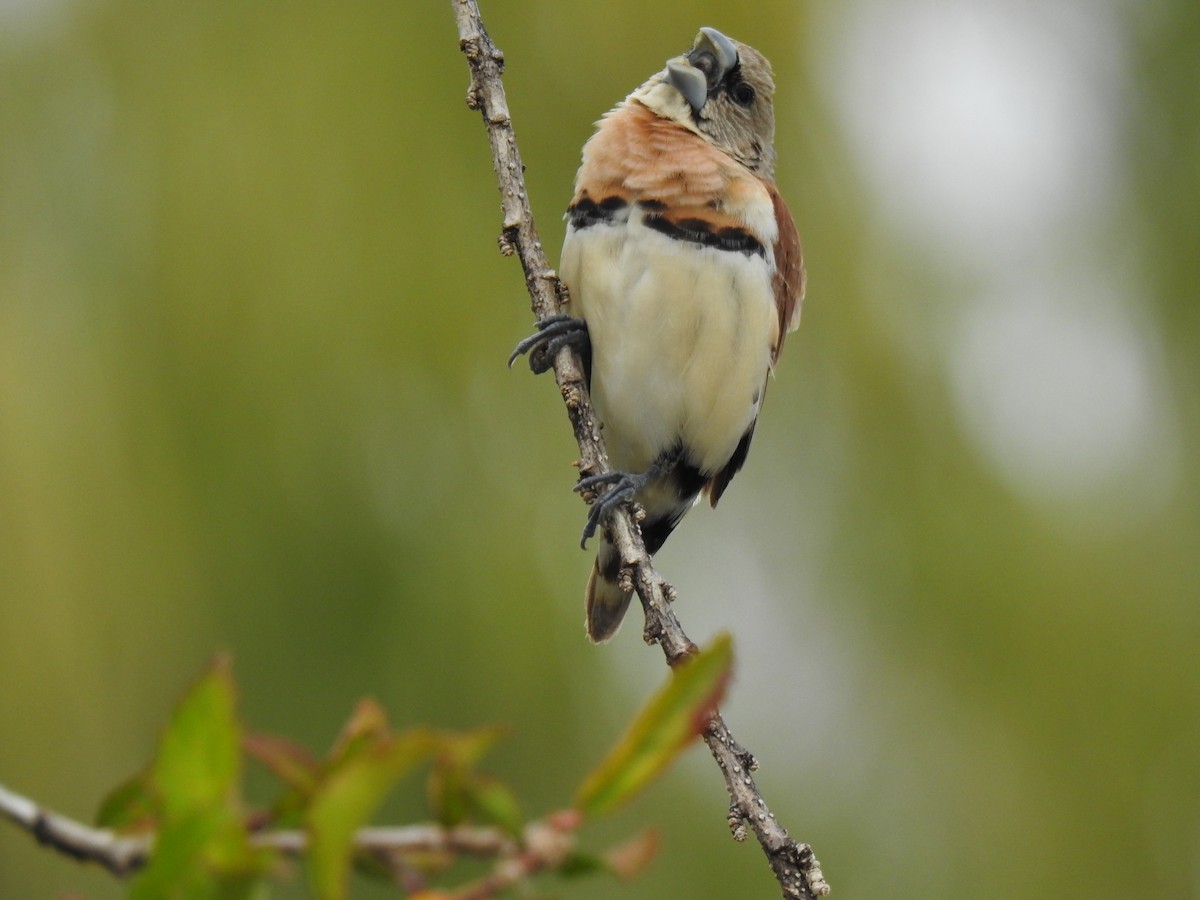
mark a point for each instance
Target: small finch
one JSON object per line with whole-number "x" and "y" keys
{"x": 685, "y": 274}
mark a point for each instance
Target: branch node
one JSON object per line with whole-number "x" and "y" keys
{"x": 810, "y": 868}
{"x": 652, "y": 634}
{"x": 572, "y": 394}
{"x": 745, "y": 758}
{"x": 625, "y": 579}
{"x": 681, "y": 652}
{"x": 737, "y": 824}
{"x": 508, "y": 240}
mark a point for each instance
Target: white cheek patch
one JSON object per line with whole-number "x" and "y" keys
{"x": 667, "y": 102}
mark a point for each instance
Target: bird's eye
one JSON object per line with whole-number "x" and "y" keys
{"x": 743, "y": 94}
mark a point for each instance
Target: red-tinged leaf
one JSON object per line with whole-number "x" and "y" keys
{"x": 664, "y": 727}
{"x": 367, "y": 724}
{"x": 630, "y": 859}
{"x": 465, "y": 749}
{"x": 348, "y": 795}
{"x": 287, "y": 760}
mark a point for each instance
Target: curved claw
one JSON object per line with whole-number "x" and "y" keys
{"x": 623, "y": 487}
{"x": 553, "y": 333}
{"x": 591, "y": 481}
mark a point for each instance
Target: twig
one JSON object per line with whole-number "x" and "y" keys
{"x": 120, "y": 855}
{"x": 518, "y": 236}
{"x": 795, "y": 867}
{"x": 544, "y": 844}
{"x": 404, "y": 839}
{"x": 547, "y": 845}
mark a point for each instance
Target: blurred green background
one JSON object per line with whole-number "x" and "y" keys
{"x": 252, "y": 397}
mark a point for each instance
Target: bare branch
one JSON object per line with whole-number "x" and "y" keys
{"x": 120, "y": 855}
{"x": 483, "y": 842}
{"x": 545, "y": 843}
{"x": 518, "y": 234}
{"x": 795, "y": 867}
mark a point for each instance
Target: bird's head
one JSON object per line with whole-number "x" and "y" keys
{"x": 722, "y": 90}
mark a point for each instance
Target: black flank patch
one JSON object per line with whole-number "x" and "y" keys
{"x": 588, "y": 212}
{"x": 741, "y": 240}
{"x": 698, "y": 231}
{"x": 652, "y": 205}
{"x": 699, "y": 226}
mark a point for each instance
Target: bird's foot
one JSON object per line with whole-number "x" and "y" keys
{"x": 553, "y": 333}
{"x": 622, "y": 487}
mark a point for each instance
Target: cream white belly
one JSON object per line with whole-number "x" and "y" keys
{"x": 681, "y": 340}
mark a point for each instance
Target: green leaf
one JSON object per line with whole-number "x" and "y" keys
{"x": 665, "y": 726}
{"x": 495, "y": 803}
{"x": 367, "y": 763}
{"x": 203, "y": 855}
{"x": 580, "y": 864}
{"x": 199, "y": 759}
{"x": 446, "y": 794}
{"x": 457, "y": 792}
{"x": 129, "y": 807}
{"x": 202, "y": 849}
{"x": 172, "y": 870}
{"x": 197, "y": 762}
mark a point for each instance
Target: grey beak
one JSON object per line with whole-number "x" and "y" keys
{"x": 710, "y": 60}
{"x": 718, "y": 45}
{"x": 690, "y": 82}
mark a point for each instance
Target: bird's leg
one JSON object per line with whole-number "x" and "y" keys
{"x": 553, "y": 333}
{"x": 622, "y": 486}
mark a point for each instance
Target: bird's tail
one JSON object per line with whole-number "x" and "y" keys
{"x": 605, "y": 601}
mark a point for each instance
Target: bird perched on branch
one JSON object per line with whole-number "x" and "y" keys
{"x": 685, "y": 273}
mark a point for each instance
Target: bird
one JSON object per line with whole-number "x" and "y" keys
{"x": 685, "y": 273}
